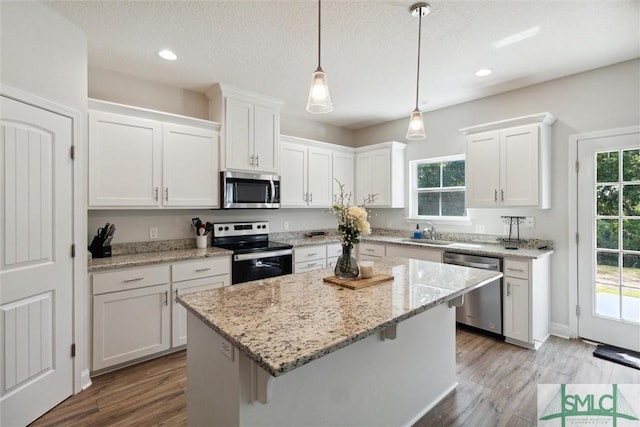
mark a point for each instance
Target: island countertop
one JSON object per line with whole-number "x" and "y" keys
{"x": 287, "y": 321}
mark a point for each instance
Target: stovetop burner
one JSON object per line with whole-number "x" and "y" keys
{"x": 248, "y": 247}
{"x": 245, "y": 237}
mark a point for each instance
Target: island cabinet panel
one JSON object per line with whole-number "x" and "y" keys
{"x": 427, "y": 254}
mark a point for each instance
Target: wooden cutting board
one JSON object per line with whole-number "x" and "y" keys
{"x": 358, "y": 283}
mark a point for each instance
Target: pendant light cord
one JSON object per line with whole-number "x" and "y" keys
{"x": 419, "y": 38}
{"x": 319, "y": 34}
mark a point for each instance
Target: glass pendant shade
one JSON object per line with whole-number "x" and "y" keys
{"x": 416, "y": 126}
{"x": 319, "y": 100}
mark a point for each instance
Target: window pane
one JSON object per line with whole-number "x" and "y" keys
{"x": 607, "y": 234}
{"x": 631, "y": 270}
{"x": 608, "y": 199}
{"x": 607, "y": 166}
{"x": 453, "y": 203}
{"x": 631, "y": 200}
{"x": 607, "y": 270}
{"x": 608, "y": 300}
{"x": 631, "y": 165}
{"x": 631, "y": 234}
{"x": 453, "y": 174}
{"x": 631, "y": 305}
{"x": 429, "y": 175}
{"x": 429, "y": 204}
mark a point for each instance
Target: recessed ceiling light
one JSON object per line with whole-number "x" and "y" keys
{"x": 484, "y": 72}
{"x": 167, "y": 54}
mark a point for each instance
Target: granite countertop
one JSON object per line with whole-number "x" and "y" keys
{"x": 148, "y": 258}
{"x": 470, "y": 247}
{"x": 287, "y": 321}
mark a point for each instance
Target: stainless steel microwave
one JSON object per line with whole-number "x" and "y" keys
{"x": 242, "y": 190}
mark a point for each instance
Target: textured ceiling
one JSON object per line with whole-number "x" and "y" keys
{"x": 369, "y": 47}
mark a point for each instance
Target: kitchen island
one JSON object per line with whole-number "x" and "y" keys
{"x": 294, "y": 350}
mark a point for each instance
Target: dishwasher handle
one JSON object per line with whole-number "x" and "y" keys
{"x": 485, "y": 263}
{"x": 476, "y": 265}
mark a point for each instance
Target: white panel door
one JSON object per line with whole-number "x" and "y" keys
{"x": 293, "y": 187}
{"x": 380, "y": 178}
{"x": 343, "y": 171}
{"x": 124, "y": 160}
{"x": 319, "y": 178}
{"x": 516, "y": 309}
{"x": 36, "y": 270}
{"x": 482, "y": 170}
{"x": 238, "y": 132}
{"x": 609, "y": 245}
{"x": 266, "y": 138}
{"x": 519, "y": 166}
{"x": 190, "y": 167}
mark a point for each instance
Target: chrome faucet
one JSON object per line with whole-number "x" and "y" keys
{"x": 431, "y": 232}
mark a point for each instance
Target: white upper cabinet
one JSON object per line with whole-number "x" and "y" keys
{"x": 306, "y": 173}
{"x": 343, "y": 168}
{"x": 507, "y": 163}
{"x": 147, "y": 159}
{"x": 250, "y": 128}
{"x": 380, "y": 170}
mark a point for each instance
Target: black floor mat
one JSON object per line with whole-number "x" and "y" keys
{"x": 618, "y": 355}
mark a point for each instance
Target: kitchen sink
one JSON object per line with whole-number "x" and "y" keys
{"x": 430, "y": 242}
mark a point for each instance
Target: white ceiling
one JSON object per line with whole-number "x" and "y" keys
{"x": 369, "y": 47}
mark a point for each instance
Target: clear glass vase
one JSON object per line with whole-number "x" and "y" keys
{"x": 347, "y": 265}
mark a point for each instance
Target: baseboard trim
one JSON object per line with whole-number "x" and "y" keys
{"x": 432, "y": 404}
{"x": 561, "y": 330}
{"x": 85, "y": 379}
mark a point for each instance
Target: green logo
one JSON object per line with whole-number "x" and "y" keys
{"x": 584, "y": 408}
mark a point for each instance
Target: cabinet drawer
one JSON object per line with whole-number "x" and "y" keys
{"x": 371, "y": 249}
{"x": 202, "y": 268}
{"x": 334, "y": 250}
{"x": 331, "y": 262}
{"x": 301, "y": 267}
{"x": 310, "y": 253}
{"x": 519, "y": 269}
{"x": 129, "y": 279}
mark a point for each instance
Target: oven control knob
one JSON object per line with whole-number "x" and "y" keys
{"x": 219, "y": 228}
{"x": 226, "y": 228}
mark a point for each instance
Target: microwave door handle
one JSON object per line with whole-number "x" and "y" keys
{"x": 273, "y": 191}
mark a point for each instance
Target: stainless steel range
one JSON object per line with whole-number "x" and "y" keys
{"x": 254, "y": 255}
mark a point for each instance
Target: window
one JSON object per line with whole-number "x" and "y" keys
{"x": 437, "y": 188}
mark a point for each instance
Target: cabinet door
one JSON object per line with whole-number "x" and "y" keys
{"x": 303, "y": 267}
{"x": 190, "y": 167}
{"x": 319, "y": 178}
{"x": 363, "y": 176}
{"x": 519, "y": 166}
{"x": 266, "y": 138}
{"x": 238, "y": 132}
{"x": 124, "y": 160}
{"x": 130, "y": 324}
{"x": 293, "y": 184}
{"x": 343, "y": 171}
{"x": 380, "y": 177}
{"x": 179, "y": 313}
{"x": 516, "y": 309}
{"x": 482, "y": 175}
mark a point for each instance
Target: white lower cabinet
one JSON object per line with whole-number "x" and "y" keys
{"x": 132, "y": 323}
{"x": 309, "y": 258}
{"x": 423, "y": 253}
{"x": 334, "y": 250}
{"x": 526, "y": 301}
{"x": 368, "y": 251}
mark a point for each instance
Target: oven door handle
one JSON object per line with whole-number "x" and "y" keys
{"x": 260, "y": 255}
{"x": 273, "y": 191}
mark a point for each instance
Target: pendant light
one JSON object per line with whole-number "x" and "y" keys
{"x": 416, "y": 125}
{"x": 319, "y": 101}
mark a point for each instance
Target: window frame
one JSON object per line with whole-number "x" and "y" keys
{"x": 414, "y": 191}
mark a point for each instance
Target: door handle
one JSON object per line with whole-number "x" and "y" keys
{"x": 258, "y": 161}
{"x": 166, "y": 194}
{"x": 502, "y": 195}
{"x": 156, "y": 194}
{"x": 508, "y": 289}
{"x": 495, "y": 195}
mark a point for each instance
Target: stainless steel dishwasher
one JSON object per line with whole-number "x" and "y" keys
{"x": 482, "y": 308}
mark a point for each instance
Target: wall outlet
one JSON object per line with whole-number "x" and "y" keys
{"x": 480, "y": 228}
{"x": 153, "y": 233}
{"x": 529, "y": 222}
{"x": 286, "y": 225}
{"x": 226, "y": 348}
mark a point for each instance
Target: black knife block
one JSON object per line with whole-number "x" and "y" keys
{"x": 99, "y": 251}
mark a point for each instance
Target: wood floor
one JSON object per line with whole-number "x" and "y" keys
{"x": 497, "y": 387}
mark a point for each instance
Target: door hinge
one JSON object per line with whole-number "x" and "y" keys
{"x": 577, "y": 166}
{"x": 577, "y": 310}
{"x": 73, "y": 350}
{"x": 73, "y": 250}
{"x": 577, "y": 239}
{"x": 73, "y": 152}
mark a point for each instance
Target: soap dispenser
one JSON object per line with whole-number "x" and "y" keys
{"x": 417, "y": 234}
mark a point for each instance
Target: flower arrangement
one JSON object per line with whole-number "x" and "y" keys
{"x": 352, "y": 219}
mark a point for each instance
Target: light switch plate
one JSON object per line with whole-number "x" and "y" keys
{"x": 226, "y": 348}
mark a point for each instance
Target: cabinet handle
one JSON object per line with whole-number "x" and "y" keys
{"x": 166, "y": 297}
{"x": 313, "y": 254}
{"x": 251, "y": 159}
{"x": 203, "y": 269}
{"x": 515, "y": 269}
{"x": 502, "y": 195}
{"x": 508, "y": 289}
{"x": 258, "y": 161}
{"x": 166, "y": 194}
{"x": 495, "y": 195}
{"x": 368, "y": 249}
{"x": 156, "y": 194}
{"x": 306, "y": 197}
{"x": 312, "y": 264}
{"x": 311, "y": 197}
{"x": 134, "y": 280}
